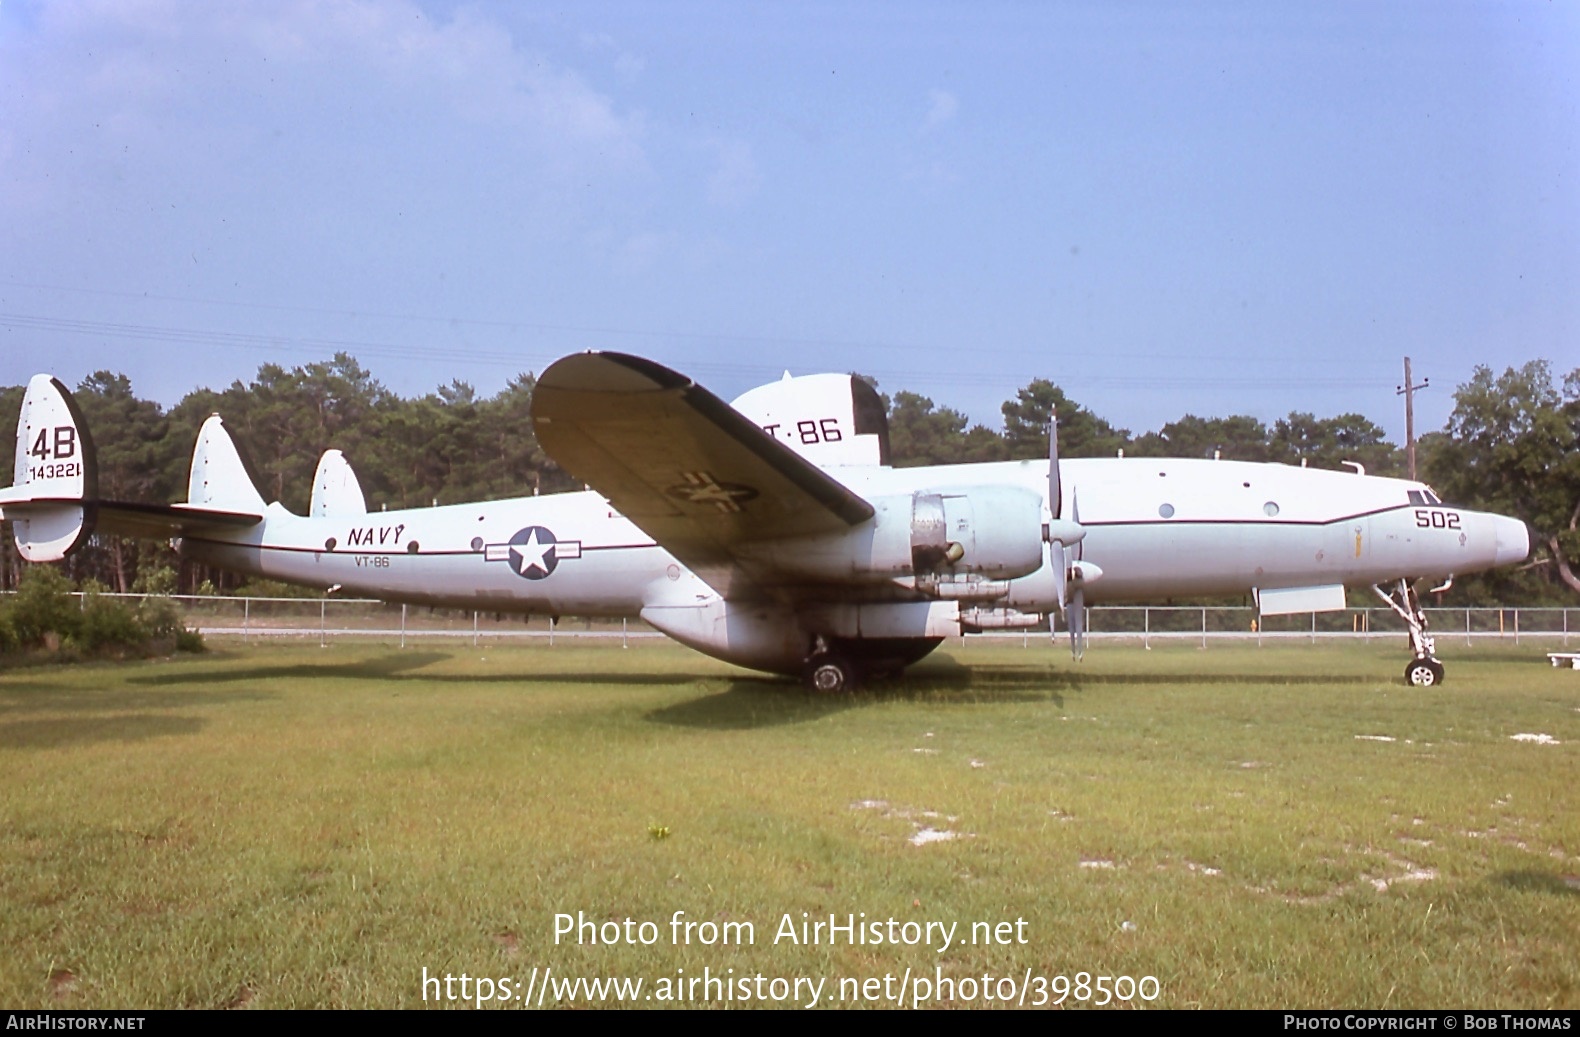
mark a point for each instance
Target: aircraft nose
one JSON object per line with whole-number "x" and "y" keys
{"x": 1514, "y": 540}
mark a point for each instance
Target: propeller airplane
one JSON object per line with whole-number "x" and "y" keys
{"x": 774, "y": 534}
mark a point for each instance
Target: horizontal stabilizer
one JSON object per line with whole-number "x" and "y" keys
{"x": 156, "y": 521}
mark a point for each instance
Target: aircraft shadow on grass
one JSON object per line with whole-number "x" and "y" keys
{"x": 49, "y": 698}
{"x": 1540, "y": 882}
{"x": 756, "y": 702}
{"x": 75, "y": 731}
{"x": 753, "y": 702}
{"x": 400, "y": 666}
{"x": 384, "y": 666}
{"x": 1181, "y": 679}
{"x": 749, "y": 702}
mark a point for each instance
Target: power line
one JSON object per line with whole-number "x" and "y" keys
{"x": 535, "y": 360}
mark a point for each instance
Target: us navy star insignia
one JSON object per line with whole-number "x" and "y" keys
{"x": 533, "y": 552}
{"x": 703, "y": 488}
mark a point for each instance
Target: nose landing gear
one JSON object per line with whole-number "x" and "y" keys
{"x": 1423, "y": 671}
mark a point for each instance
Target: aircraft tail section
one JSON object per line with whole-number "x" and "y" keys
{"x": 220, "y": 480}
{"x": 52, "y": 500}
{"x": 54, "y": 506}
{"x": 336, "y": 491}
{"x": 829, "y": 419}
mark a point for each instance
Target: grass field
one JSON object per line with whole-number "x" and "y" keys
{"x": 1291, "y": 826}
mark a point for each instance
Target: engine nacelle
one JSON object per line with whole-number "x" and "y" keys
{"x": 989, "y": 531}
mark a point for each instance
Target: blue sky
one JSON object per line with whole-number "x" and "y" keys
{"x": 1165, "y": 208}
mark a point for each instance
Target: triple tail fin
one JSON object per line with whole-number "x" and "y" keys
{"x": 220, "y": 478}
{"x": 336, "y": 491}
{"x": 52, "y": 502}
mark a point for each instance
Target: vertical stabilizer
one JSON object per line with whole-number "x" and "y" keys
{"x": 336, "y": 491}
{"x": 219, "y": 478}
{"x": 829, "y": 419}
{"x": 51, "y": 502}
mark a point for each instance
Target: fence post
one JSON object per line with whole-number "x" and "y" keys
{"x": 1467, "y": 627}
{"x": 1516, "y": 627}
{"x": 474, "y": 628}
{"x": 246, "y": 619}
{"x": 551, "y": 631}
{"x": 323, "y": 606}
{"x": 1204, "y": 628}
{"x": 403, "y": 626}
{"x": 624, "y": 633}
{"x": 1146, "y": 628}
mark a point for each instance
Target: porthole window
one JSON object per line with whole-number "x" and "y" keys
{"x": 1270, "y": 509}
{"x": 1166, "y": 510}
{"x": 477, "y": 543}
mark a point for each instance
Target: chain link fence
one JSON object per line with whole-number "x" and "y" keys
{"x": 330, "y": 618}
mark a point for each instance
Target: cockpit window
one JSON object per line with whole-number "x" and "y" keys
{"x": 1431, "y": 498}
{"x": 1417, "y": 497}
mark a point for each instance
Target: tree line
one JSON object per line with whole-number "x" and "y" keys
{"x": 1510, "y": 447}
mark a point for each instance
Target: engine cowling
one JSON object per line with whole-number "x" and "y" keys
{"x": 992, "y": 532}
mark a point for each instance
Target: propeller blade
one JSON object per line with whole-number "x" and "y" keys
{"x": 1077, "y": 624}
{"x": 1075, "y": 517}
{"x": 1058, "y": 560}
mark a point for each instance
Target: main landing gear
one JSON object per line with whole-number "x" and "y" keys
{"x": 829, "y": 673}
{"x": 835, "y": 665}
{"x": 1423, "y": 671}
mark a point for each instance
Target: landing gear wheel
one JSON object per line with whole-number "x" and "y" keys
{"x": 1424, "y": 673}
{"x": 829, "y": 674}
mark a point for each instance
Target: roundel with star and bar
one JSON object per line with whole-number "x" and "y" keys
{"x": 533, "y": 553}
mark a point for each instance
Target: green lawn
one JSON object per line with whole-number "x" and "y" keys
{"x": 281, "y": 826}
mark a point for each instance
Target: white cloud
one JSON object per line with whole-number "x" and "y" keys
{"x": 941, "y": 108}
{"x": 627, "y": 64}
{"x": 311, "y": 69}
{"x": 643, "y": 253}
{"x": 735, "y": 178}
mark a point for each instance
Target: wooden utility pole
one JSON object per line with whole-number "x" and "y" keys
{"x": 1408, "y": 391}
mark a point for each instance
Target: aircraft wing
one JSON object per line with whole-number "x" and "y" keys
{"x": 689, "y": 470}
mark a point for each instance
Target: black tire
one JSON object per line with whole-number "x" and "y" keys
{"x": 829, "y": 674}
{"x": 1423, "y": 673}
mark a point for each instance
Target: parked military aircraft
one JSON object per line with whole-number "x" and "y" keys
{"x": 772, "y": 533}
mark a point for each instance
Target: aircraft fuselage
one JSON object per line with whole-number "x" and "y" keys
{"x": 1157, "y": 528}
